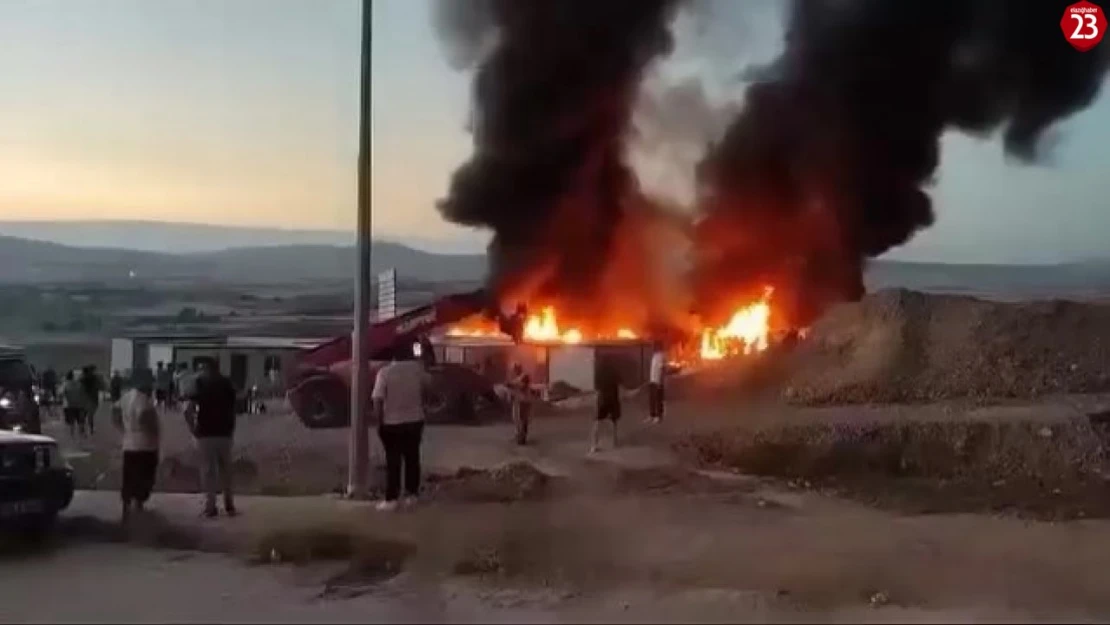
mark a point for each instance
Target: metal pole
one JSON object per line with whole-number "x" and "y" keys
{"x": 359, "y": 446}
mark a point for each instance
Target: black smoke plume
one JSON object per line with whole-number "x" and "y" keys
{"x": 554, "y": 89}
{"x": 829, "y": 162}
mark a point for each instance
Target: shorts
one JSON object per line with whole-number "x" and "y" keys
{"x": 609, "y": 412}
{"x": 73, "y": 416}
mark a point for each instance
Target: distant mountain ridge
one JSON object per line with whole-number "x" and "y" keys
{"x": 156, "y": 236}
{"x": 272, "y": 259}
{"x": 27, "y": 261}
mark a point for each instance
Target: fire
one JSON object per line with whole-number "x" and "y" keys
{"x": 542, "y": 327}
{"x": 746, "y": 332}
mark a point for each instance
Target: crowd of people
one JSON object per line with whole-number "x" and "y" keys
{"x": 610, "y": 387}
{"x": 209, "y": 404}
{"x": 209, "y": 410}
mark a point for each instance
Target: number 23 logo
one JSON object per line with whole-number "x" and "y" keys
{"x": 1086, "y": 26}
{"x": 1083, "y": 25}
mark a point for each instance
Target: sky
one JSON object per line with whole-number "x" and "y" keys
{"x": 245, "y": 112}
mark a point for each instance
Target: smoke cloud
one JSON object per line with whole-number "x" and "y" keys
{"x": 554, "y": 90}
{"x": 826, "y": 165}
{"x": 829, "y": 162}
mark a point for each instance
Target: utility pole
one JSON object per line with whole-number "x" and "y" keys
{"x": 358, "y": 452}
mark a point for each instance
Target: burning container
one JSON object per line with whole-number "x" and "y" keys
{"x": 574, "y": 364}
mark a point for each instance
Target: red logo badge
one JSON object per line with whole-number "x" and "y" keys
{"x": 1083, "y": 24}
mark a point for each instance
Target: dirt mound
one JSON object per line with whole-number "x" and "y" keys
{"x": 899, "y": 345}
{"x": 1049, "y": 470}
{"x": 516, "y": 481}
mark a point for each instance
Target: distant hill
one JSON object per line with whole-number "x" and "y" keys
{"x": 23, "y": 261}
{"x": 188, "y": 238}
{"x": 156, "y": 236}
{"x": 1088, "y": 279}
{"x": 274, "y": 256}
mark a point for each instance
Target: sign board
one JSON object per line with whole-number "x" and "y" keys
{"x": 387, "y": 294}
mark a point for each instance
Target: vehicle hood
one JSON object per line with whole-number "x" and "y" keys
{"x": 8, "y": 437}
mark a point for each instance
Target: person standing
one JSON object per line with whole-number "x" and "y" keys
{"x": 74, "y": 406}
{"x": 163, "y": 382}
{"x": 115, "y": 387}
{"x": 655, "y": 383}
{"x": 398, "y": 396}
{"x": 186, "y": 383}
{"x": 520, "y": 386}
{"x": 49, "y": 381}
{"x": 179, "y": 390}
{"x": 92, "y": 385}
{"x": 210, "y": 415}
{"x": 608, "y": 384}
{"x": 136, "y": 417}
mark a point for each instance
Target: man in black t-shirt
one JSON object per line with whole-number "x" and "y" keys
{"x": 211, "y": 417}
{"x": 607, "y": 382}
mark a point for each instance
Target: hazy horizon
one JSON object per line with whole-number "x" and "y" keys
{"x": 245, "y": 114}
{"x": 192, "y": 238}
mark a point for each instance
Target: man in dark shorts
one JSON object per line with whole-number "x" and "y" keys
{"x": 49, "y": 384}
{"x": 74, "y": 405}
{"x": 608, "y": 385}
{"x": 115, "y": 387}
{"x": 92, "y": 385}
{"x": 163, "y": 382}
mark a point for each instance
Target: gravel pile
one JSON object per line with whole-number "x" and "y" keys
{"x": 906, "y": 346}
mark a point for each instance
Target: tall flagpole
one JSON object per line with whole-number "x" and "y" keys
{"x": 359, "y": 446}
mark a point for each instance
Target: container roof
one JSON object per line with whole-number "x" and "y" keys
{"x": 498, "y": 341}
{"x": 215, "y": 341}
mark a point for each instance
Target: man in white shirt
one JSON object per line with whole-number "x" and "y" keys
{"x": 398, "y": 395}
{"x": 136, "y": 417}
{"x": 655, "y": 383}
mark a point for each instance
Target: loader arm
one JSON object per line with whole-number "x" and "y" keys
{"x": 402, "y": 331}
{"x": 322, "y": 374}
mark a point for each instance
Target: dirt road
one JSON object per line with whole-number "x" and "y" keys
{"x": 111, "y": 583}
{"x": 669, "y": 557}
{"x": 630, "y": 535}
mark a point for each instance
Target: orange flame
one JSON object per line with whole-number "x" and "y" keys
{"x": 747, "y": 331}
{"x": 541, "y": 327}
